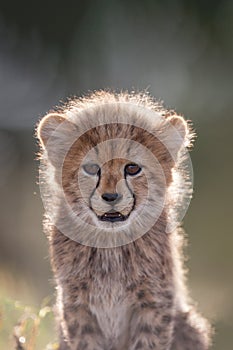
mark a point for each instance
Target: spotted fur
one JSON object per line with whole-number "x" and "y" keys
{"x": 130, "y": 296}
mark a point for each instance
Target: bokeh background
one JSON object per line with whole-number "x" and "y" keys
{"x": 181, "y": 52}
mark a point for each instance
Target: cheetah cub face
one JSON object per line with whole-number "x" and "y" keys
{"x": 117, "y": 189}
{"x": 113, "y": 181}
{"x": 113, "y": 197}
{"x": 110, "y": 179}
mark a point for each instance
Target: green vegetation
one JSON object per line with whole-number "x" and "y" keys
{"x": 32, "y": 328}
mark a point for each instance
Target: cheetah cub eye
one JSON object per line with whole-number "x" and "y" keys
{"x": 91, "y": 169}
{"x": 132, "y": 169}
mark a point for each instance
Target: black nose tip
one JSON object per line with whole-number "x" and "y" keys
{"x": 110, "y": 197}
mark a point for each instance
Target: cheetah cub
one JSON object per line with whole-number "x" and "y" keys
{"x": 115, "y": 185}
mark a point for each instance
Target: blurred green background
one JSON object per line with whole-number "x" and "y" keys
{"x": 182, "y": 53}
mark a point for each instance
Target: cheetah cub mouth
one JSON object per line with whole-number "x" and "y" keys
{"x": 113, "y": 216}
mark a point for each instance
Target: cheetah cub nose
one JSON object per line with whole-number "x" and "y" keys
{"x": 111, "y": 197}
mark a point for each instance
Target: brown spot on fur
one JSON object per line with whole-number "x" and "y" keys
{"x": 150, "y": 305}
{"x": 139, "y": 345}
{"x": 82, "y": 345}
{"x": 87, "y": 329}
{"x": 145, "y": 328}
{"x": 73, "y": 329}
{"x": 158, "y": 330}
{"x": 141, "y": 294}
{"x": 166, "y": 319}
{"x": 132, "y": 287}
{"x": 84, "y": 286}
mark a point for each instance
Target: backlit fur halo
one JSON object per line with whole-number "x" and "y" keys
{"x": 59, "y": 130}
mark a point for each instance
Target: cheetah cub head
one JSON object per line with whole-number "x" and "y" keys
{"x": 109, "y": 169}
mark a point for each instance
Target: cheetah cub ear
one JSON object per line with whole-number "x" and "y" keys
{"x": 55, "y": 133}
{"x": 177, "y": 134}
{"x": 47, "y": 126}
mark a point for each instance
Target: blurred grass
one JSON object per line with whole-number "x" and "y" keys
{"x": 33, "y": 326}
